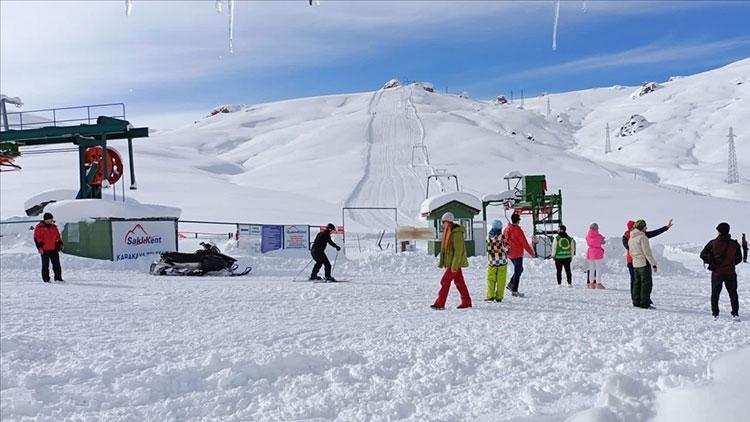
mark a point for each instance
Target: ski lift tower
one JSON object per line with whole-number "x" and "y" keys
{"x": 98, "y": 165}
{"x": 438, "y": 176}
{"x": 528, "y": 195}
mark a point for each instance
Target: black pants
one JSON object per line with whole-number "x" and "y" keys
{"x": 321, "y": 260}
{"x": 53, "y": 256}
{"x": 559, "y": 265}
{"x": 744, "y": 254}
{"x": 730, "y": 280}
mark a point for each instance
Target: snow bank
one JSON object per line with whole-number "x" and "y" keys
{"x": 70, "y": 211}
{"x": 36, "y": 203}
{"x": 723, "y": 399}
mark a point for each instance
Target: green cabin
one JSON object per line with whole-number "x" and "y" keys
{"x": 464, "y": 207}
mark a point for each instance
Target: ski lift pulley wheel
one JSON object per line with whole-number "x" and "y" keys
{"x": 93, "y": 155}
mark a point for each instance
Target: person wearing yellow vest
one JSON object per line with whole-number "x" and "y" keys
{"x": 452, "y": 258}
{"x": 563, "y": 251}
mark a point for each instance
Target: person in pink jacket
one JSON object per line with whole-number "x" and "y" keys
{"x": 594, "y": 257}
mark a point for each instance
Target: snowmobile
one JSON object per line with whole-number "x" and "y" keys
{"x": 206, "y": 261}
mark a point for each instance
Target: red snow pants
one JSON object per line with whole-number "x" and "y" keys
{"x": 445, "y": 286}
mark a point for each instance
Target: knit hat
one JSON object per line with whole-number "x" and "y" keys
{"x": 448, "y": 216}
{"x": 515, "y": 218}
{"x": 640, "y": 224}
{"x": 723, "y": 228}
{"x": 630, "y": 224}
{"x": 594, "y": 226}
{"x": 497, "y": 225}
{"x": 563, "y": 228}
{"x": 48, "y": 216}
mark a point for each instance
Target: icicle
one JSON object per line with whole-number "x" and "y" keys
{"x": 231, "y": 26}
{"x": 554, "y": 28}
{"x": 218, "y": 6}
{"x": 128, "y": 7}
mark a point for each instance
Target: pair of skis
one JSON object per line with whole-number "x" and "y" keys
{"x": 296, "y": 277}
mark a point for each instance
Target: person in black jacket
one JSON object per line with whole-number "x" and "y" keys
{"x": 626, "y": 238}
{"x": 318, "y": 252}
{"x": 722, "y": 255}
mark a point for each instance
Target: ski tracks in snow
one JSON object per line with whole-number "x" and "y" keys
{"x": 389, "y": 179}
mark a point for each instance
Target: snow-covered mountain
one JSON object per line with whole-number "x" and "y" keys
{"x": 683, "y": 143}
{"x": 300, "y": 161}
{"x": 115, "y": 343}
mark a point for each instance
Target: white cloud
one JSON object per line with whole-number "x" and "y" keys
{"x": 650, "y": 54}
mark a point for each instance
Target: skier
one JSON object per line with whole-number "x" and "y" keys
{"x": 744, "y": 248}
{"x": 594, "y": 254}
{"x": 452, "y": 258}
{"x": 49, "y": 244}
{"x": 722, "y": 255}
{"x": 643, "y": 262}
{"x": 563, "y": 251}
{"x": 497, "y": 265}
{"x": 518, "y": 244}
{"x": 318, "y": 252}
{"x": 629, "y": 259}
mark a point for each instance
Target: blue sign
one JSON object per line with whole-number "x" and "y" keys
{"x": 271, "y": 238}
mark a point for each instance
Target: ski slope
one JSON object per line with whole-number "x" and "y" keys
{"x": 389, "y": 179}
{"x": 301, "y": 161}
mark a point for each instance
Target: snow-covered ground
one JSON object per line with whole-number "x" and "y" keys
{"x": 116, "y": 344}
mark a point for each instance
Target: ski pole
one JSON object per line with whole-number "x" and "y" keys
{"x": 334, "y": 260}
{"x": 302, "y": 270}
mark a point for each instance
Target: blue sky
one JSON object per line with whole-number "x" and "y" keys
{"x": 169, "y": 61}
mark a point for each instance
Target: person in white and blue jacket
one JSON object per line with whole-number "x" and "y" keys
{"x": 497, "y": 262}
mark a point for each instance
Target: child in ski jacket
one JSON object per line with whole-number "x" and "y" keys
{"x": 497, "y": 263}
{"x": 563, "y": 251}
{"x": 594, "y": 256}
{"x": 452, "y": 258}
{"x": 643, "y": 263}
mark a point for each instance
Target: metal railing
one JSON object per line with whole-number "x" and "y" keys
{"x": 63, "y": 116}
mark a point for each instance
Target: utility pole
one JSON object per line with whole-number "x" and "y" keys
{"x": 733, "y": 175}
{"x": 607, "y": 143}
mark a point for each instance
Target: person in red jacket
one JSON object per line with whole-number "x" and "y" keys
{"x": 518, "y": 245}
{"x": 49, "y": 244}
